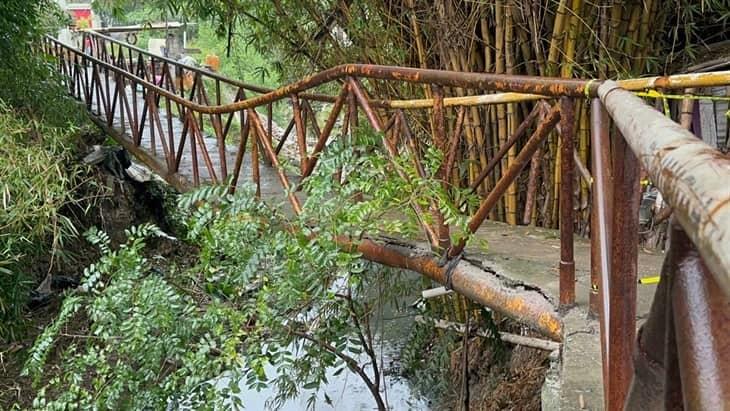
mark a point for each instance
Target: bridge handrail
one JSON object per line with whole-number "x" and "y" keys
{"x": 237, "y": 83}
{"x": 542, "y": 86}
{"x": 692, "y": 176}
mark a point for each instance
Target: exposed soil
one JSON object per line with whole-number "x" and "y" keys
{"x": 511, "y": 380}
{"x": 500, "y": 376}
{"x": 121, "y": 205}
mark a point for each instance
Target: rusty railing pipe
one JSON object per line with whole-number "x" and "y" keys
{"x": 567, "y": 172}
{"x": 600, "y": 231}
{"x": 544, "y": 86}
{"x": 524, "y": 156}
{"x": 692, "y": 176}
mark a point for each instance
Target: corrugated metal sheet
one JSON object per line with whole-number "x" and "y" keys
{"x": 713, "y": 118}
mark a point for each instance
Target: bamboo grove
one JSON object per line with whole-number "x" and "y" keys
{"x": 554, "y": 38}
{"x": 559, "y": 38}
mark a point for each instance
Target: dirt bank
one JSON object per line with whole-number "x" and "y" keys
{"x": 500, "y": 376}
{"x": 119, "y": 205}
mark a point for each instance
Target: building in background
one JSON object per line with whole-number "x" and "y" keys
{"x": 81, "y": 16}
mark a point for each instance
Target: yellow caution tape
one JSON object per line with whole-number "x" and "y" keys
{"x": 649, "y": 280}
{"x": 665, "y": 97}
{"x": 657, "y": 94}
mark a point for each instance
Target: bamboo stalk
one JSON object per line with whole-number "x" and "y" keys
{"x": 501, "y": 110}
{"x": 512, "y": 117}
{"x": 582, "y": 157}
{"x": 556, "y": 39}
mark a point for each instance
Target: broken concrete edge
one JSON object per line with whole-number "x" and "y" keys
{"x": 470, "y": 278}
{"x": 574, "y": 381}
{"x": 476, "y": 282}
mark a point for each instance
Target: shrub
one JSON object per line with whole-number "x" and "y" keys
{"x": 38, "y": 180}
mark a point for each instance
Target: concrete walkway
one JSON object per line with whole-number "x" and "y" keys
{"x": 531, "y": 255}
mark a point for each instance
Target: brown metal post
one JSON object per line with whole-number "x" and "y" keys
{"x": 624, "y": 256}
{"x": 672, "y": 398}
{"x": 301, "y": 132}
{"x": 325, "y": 133}
{"x": 601, "y": 216}
{"x": 567, "y": 171}
{"x": 594, "y": 300}
{"x": 255, "y": 166}
{"x": 702, "y": 330}
{"x": 258, "y": 128}
{"x": 653, "y": 347}
{"x": 535, "y": 140}
{"x": 601, "y": 229}
{"x": 243, "y": 140}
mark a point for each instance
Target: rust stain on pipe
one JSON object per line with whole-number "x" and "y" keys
{"x": 527, "y": 306}
{"x": 702, "y": 327}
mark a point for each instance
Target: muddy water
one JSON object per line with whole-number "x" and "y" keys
{"x": 346, "y": 390}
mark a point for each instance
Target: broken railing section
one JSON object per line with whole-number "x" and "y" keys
{"x": 477, "y": 283}
{"x": 161, "y": 93}
{"x": 691, "y": 176}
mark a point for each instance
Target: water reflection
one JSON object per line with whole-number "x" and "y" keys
{"x": 347, "y": 391}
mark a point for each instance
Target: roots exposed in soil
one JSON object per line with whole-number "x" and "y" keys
{"x": 501, "y": 377}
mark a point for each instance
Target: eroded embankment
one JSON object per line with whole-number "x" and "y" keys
{"x": 113, "y": 203}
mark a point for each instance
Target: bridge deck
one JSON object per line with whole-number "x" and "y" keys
{"x": 270, "y": 186}
{"x": 531, "y": 255}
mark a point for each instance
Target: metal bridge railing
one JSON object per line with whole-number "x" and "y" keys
{"x": 141, "y": 100}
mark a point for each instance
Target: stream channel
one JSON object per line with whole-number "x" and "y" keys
{"x": 347, "y": 391}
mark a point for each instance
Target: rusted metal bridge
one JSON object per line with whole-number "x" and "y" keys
{"x": 679, "y": 357}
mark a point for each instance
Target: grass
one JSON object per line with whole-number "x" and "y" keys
{"x": 38, "y": 180}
